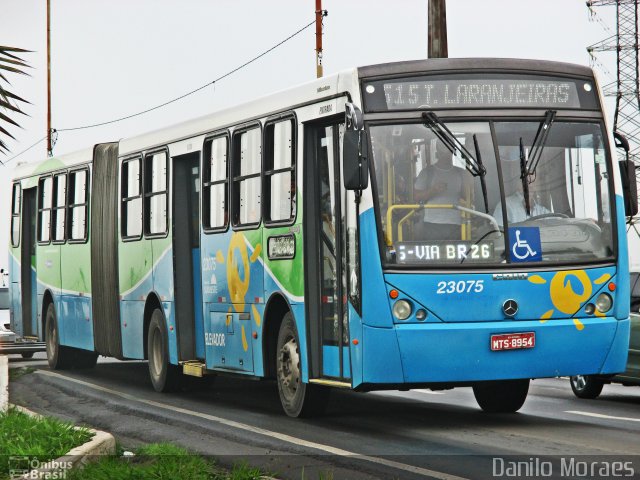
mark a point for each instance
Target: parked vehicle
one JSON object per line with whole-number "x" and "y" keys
{"x": 590, "y": 386}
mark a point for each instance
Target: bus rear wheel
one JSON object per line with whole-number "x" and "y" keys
{"x": 298, "y": 399}
{"x": 505, "y": 396}
{"x": 586, "y": 386}
{"x": 164, "y": 376}
{"x": 58, "y": 356}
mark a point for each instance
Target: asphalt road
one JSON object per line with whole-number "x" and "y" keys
{"x": 415, "y": 434}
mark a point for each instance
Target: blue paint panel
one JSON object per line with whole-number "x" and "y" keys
{"x": 331, "y": 361}
{"x": 197, "y": 303}
{"x": 225, "y": 348}
{"x": 621, "y": 309}
{"x": 355, "y": 333}
{"x": 298, "y": 315}
{"x": 132, "y": 327}
{"x": 560, "y": 350}
{"x": 162, "y": 271}
{"x": 375, "y": 313}
{"x": 74, "y": 319}
{"x": 381, "y": 362}
{"x": 169, "y": 315}
{"x": 617, "y": 359}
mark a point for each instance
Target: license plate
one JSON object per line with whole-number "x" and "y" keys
{"x": 513, "y": 341}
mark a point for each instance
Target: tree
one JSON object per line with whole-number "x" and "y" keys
{"x": 10, "y": 62}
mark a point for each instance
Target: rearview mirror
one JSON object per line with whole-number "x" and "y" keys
{"x": 355, "y": 165}
{"x": 628, "y": 176}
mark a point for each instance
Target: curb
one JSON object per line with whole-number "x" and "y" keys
{"x": 102, "y": 443}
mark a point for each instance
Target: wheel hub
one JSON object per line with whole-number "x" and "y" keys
{"x": 289, "y": 368}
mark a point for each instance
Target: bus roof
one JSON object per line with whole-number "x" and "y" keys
{"x": 309, "y": 92}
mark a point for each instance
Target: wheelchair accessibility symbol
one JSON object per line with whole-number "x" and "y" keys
{"x": 525, "y": 244}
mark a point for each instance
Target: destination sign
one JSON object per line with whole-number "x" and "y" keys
{"x": 439, "y": 93}
{"x": 456, "y": 252}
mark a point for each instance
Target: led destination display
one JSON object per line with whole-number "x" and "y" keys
{"x": 417, "y": 252}
{"x": 437, "y": 93}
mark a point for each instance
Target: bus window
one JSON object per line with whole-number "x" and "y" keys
{"x": 131, "y": 199}
{"x": 59, "y": 207}
{"x": 215, "y": 184}
{"x": 78, "y": 205}
{"x": 15, "y": 215}
{"x": 280, "y": 172}
{"x": 247, "y": 166}
{"x": 155, "y": 179}
{"x": 44, "y": 209}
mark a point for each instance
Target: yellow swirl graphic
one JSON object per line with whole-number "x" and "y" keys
{"x": 237, "y": 255}
{"x": 562, "y": 292}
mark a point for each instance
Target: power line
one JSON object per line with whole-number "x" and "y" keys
{"x": 23, "y": 151}
{"x": 257, "y": 57}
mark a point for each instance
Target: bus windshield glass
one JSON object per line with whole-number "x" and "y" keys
{"x": 531, "y": 202}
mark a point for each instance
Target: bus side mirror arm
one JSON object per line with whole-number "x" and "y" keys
{"x": 355, "y": 151}
{"x": 628, "y": 176}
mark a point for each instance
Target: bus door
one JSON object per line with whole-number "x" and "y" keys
{"x": 28, "y": 264}
{"x": 325, "y": 275}
{"x": 186, "y": 256}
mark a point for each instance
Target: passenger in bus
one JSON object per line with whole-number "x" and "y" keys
{"x": 440, "y": 184}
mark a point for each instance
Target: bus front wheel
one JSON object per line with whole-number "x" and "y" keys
{"x": 586, "y": 386}
{"x": 298, "y": 399}
{"x": 505, "y": 396}
{"x": 59, "y": 357}
{"x": 165, "y": 377}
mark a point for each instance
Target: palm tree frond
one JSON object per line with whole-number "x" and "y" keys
{"x": 10, "y": 63}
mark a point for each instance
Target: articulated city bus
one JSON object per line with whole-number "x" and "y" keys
{"x": 429, "y": 224}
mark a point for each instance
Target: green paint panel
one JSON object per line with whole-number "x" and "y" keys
{"x": 76, "y": 267}
{"x": 136, "y": 261}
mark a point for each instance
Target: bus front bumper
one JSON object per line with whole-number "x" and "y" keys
{"x": 461, "y": 352}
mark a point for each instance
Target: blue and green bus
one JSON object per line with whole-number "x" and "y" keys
{"x": 429, "y": 224}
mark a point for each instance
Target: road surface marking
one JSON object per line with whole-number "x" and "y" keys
{"x": 599, "y": 415}
{"x": 280, "y": 436}
{"x": 430, "y": 392}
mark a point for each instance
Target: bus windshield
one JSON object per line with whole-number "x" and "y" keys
{"x": 542, "y": 201}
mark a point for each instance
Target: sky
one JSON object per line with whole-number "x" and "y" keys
{"x": 113, "y": 58}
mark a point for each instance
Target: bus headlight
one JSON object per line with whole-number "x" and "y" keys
{"x": 604, "y": 302}
{"x": 402, "y": 309}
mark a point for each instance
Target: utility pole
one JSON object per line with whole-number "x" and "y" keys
{"x": 438, "y": 47}
{"x": 49, "y": 145}
{"x": 320, "y": 14}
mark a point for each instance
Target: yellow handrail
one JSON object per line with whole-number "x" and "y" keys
{"x": 414, "y": 208}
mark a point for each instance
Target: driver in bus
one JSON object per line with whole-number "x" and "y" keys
{"x": 514, "y": 196}
{"x": 440, "y": 183}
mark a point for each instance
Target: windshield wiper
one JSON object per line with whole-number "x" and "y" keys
{"x": 483, "y": 183}
{"x": 524, "y": 178}
{"x": 454, "y": 145}
{"x": 539, "y": 142}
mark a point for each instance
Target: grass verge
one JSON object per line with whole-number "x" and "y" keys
{"x": 160, "y": 461}
{"x": 44, "y": 438}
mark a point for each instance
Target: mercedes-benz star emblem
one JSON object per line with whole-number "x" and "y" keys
{"x": 510, "y": 308}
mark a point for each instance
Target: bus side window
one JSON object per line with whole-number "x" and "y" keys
{"x": 155, "y": 194}
{"x": 280, "y": 181}
{"x": 59, "y": 207}
{"x": 131, "y": 193}
{"x": 77, "y": 200}
{"x": 15, "y": 215}
{"x": 215, "y": 183}
{"x": 247, "y": 156}
{"x": 44, "y": 209}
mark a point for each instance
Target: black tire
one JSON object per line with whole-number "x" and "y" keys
{"x": 298, "y": 399}
{"x": 164, "y": 376}
{"x": 58, "y": 356}
{"x": 504, "y": 396}
{"x": 27, "y": 355}
{"x": 586, "y": 386}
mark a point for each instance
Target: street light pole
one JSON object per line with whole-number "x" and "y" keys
{"x": 49, "y": 145}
